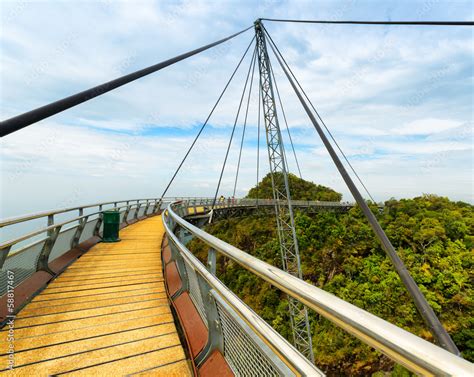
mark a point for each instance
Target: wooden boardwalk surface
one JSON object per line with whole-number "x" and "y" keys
{"x": 106, "y": 315}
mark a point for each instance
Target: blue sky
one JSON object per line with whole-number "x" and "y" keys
{"x": 399, "y": 100}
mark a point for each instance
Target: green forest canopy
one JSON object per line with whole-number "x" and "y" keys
{"x": 299, "y": 189}
{"x": 339, "y": 253}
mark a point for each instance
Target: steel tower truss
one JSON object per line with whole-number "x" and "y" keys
{"x": 281, "y": 193}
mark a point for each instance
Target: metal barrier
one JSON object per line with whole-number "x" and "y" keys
{"x": 413, "y": 352}
{"x": 250, "y": 346}
{"x": 34, "y": 251}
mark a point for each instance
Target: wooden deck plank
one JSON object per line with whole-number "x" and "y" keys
{"x": 91, "y": 304}
{"x": 76, "y": 346}
{"x": 174, "y": 369}
{"x": 97, "y": 296}
{"x": 107, "y": 314}
{"x": 96, "y": 291}
{"x": 99, "y": 356}
{"x": 101, "y": 284}
{"x": 131, "y": 364}
{"x": 54, "y": 338}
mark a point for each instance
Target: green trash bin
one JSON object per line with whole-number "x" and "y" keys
{"x": 111, "y": 220}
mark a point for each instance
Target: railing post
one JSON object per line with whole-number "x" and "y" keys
{"x": 50, "y": 222}
{"x": 157, "y": 206}
{"x": 147, "y": 206}
{"x": 4, "y": 254}
{"x": 178, "y": 260}
{"x": 79, "y": 230}
{"x": 125, "y": 215}
{"x": 100, "y": 219}
{"x": 211, "y": 261}
{"x": 138, "y": 210}
{"x": 43, "y": 258}
{"x": 215, "y": 338}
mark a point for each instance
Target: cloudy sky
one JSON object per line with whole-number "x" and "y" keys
{"x": 398, "y": 99}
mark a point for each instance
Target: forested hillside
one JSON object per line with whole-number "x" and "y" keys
{"x": 300, "y": 190}
{"x": 433, "y": 236}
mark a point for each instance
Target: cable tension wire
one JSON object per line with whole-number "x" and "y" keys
{"x": 233, "y": 129}
{"x": 245, "y": 126}
{"x": 23, "y": 120}
{"x": 419, "y": 23}
{"x": 207, "y": 119}
{"x": 322, "y": 121}
{"x": 426, "y": 311}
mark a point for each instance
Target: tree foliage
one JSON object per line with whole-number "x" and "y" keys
{"x": 340, "y": 254}
{"x": 299, "y": 188}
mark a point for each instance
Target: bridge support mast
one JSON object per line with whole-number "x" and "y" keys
{"x": 281, "y": 193}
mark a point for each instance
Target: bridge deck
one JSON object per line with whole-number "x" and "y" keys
{"x": 107, "y": 314}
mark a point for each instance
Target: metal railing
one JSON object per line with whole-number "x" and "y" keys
{"x": 208, "y": 203}
{"x": 244, "y": 338}
{"x": 250, "y": 346}
{"x": 34, "y": 250}
{"x": 413, "y": 352}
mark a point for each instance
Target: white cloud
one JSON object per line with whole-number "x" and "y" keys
{"x": 426, "y": 127}
{"x": 395, "y": 98}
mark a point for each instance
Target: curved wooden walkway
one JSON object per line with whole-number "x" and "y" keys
{"x": 106, "y": 315}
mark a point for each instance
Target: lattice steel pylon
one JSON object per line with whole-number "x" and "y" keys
{"x": 281, "y": 193}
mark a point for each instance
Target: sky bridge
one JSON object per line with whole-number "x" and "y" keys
{"x": 74, "y": 303}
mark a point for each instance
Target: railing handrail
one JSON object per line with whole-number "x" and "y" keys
{"x": 260, "y": 327}
{"x": 55, "y": 225}
{"x": 38, "y": 215}
{"x": 402, "y": 346}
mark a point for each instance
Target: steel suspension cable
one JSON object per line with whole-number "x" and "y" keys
{"x": 426, "y": 311}
{"x": 233, "y": 129}
{"x": 319, "y": 117}
{"x": 23, "y": 120}
{"x": 207, "y": 119}
{"x": 419, "y": 23}
{"x": 286, "y": 123}
{"x": 245, "y": 126}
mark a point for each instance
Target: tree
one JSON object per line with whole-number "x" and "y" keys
{"x": 339, "y": 253}
{"x": 299, "y": 188}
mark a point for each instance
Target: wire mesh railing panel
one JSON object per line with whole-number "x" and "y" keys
{"x": 240, "y": 351}
{"x": 195, "y": 291}
{"x": 22, "y": 264}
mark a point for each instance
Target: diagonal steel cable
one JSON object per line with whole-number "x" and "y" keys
{"x": 207, "y": 119}
{"x": 245, "y": 126}
{"x": 319, "y": 117}
{"x": 424, "y": 308}
{"x": 258, "y": 140}
{"x": 23, "y": 120}
{"x": 233, "y": 129}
